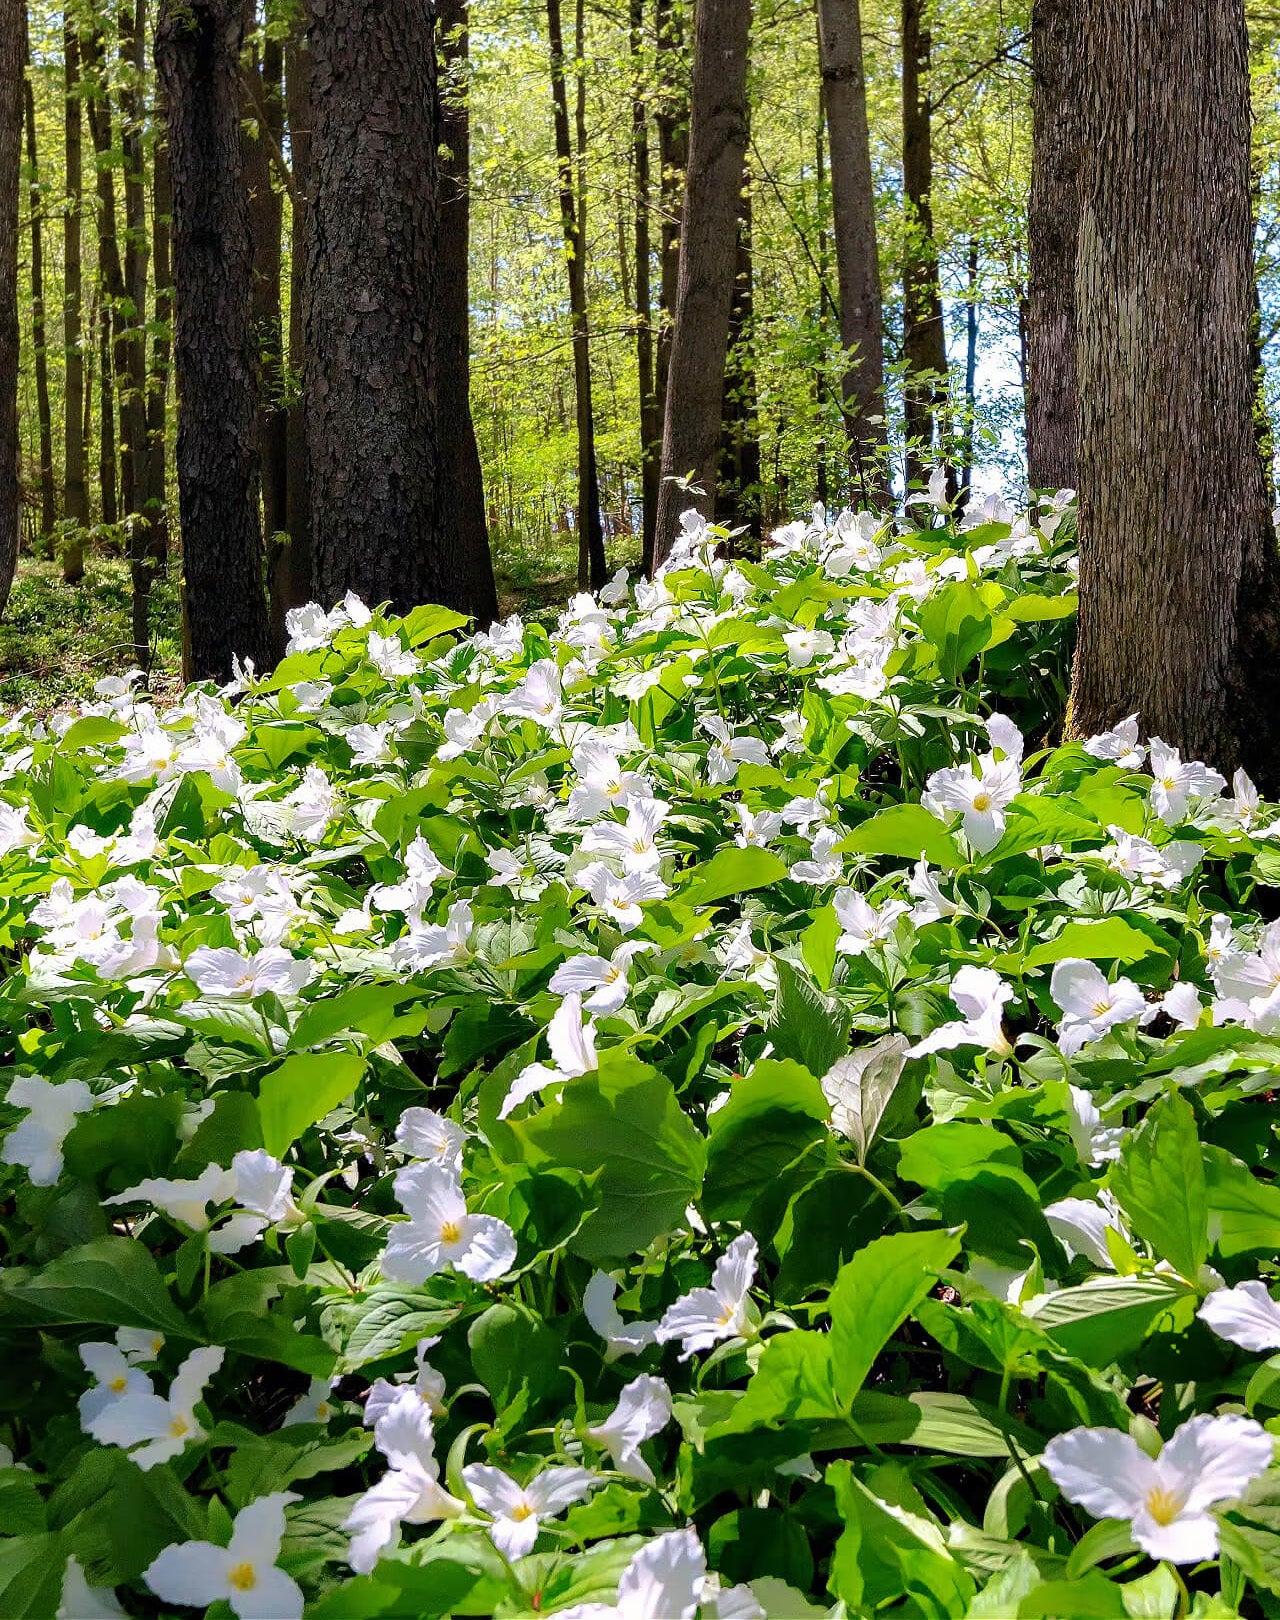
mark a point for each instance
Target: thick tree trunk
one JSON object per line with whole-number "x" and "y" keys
{"x": 573, "y": 207}
{"x": 75, "y": 497}
{"x": 924, "y": 343}
{"x": 1053, "y": 227}
{"x": 740, "y": 486}
{"x": 13, "y": 16}
{"x": 262, "y": 134}
{"x": 844, "y": 95}
{"x": 373, "y": 426}
{"x": 291, "y": 583}
{"x": 708, "y": 261}
{"x": 197, "y": 53}
{"x": 672, "y": 120}
{"x": 134, "y": 475}
{"x": 1179, "y": 572}
{"x": 650, "y": 420}
{"x": 462, "y": 472}
{"x": 39, "y": 334}
{"x": 158, "y": 380}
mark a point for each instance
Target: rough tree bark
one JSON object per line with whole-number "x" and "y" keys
{"x": 740, "y": 484}
{"x": 13, "y": 16}
{"x": 39, "y": 334}
{"x": 262, "y": 133}
{"x": 672, "y": 121}
{"x": 573, "y": 209}
{"x": 650, "y": 420}
{"x": 924, "y": 343}
{"x": 708, "y": 260}
{"x": 197, "y": 54}
{"x": 464, "y": 479}
{"x": 156, "y": 503}
{"x": 853, "y": 207}
{"x": 135, "y": 443}
{"x": 291, "y": 582}
{"x": 1053, "y": 227}
{"x": 75, "y": 496}
{"x": 372, "y": 410}
{"x": 1179, "y": 571}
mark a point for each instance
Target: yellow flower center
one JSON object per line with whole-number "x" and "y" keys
{"x": 118, "y": 1385}
{"x": 725, "y": 1316}
{"x": 323, "y": 1412}
{"x": 1101, "y": 1009}
{"x": 450, "y": 1232}
{"x": 243, "y": 1577}
{"x": 1163, "y": 1504}
{"x": 612, "y": 974}
{"x": 521, "y": 1512}
{"x": 178, "y": 1427}
{"x": 982, "y": 801}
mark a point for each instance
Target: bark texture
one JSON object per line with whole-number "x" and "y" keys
{"x": 197, "y": 54}
{"x": 924, "y": 342}
{"x": 75, "y": 496}
{"x": 464, "y": 479}
{"x": 853, "y": 207}
{"x": 291, "y": 578}
{"x": 708, "y": 261}
{"x": 1179, "y": 573}
{"x": 650, "y": 418}
{"x": 12, "y": 51}
{"x": 39, "y": 334}
{"x": 1053, "y": 228}
{"x": 740, "y": 485}
{"x": 371, "y": 391}
{"x": 672, "y": 120}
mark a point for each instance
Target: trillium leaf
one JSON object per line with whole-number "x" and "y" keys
{"x": 1159, "y": 1182}
{"x": 907, "y": 830}
{"x": 806, "y": 1025}
{"x": 732, "y": 872}
{"x": 874, "y": 1294}
{"x": 302, "y": 1090}
{"x": 111, "y": 1282}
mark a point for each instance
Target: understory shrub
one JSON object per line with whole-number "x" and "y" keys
{"x": 716, "y": 1109}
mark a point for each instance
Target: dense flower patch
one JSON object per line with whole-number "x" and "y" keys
{"x": 707, "y": 1111}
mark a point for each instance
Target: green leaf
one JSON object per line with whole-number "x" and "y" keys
{"x": 806, "y": 1025}
{"x": 890, "y": 1549}
{"x": 773, "y": 1116}
{"x": 111, "y": 1282}
{"x": 907, "y": 830}
{"x": 302, "y": 1090}
{"x": 731, "y": 872}
{"x": 427, "y": 622}
{"x": 939, "y": 1153}
{"x": 387, "y": 1322}
{"x": 1160, "y": 1184}
{"x": 1111, "y": 940}
{"x": 1107, "y": 1317}
{"x": 625, "y": 1123}
{"x": 511, "y": 1346}
{"x": 875, "y": 1293}
{"x": 957, "y": 621}
{"x": 864, "y": 1083}
{"x": 31, "y": 1572}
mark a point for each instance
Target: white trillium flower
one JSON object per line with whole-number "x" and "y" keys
{"x": 805, "y": 646}
{"x": 425, "y": 1382}
{"x": 620, "y": 898}
{"x": 573, "y": 1052}
{"x": 115, "y": 1373}
{"x": 931, "y": 904}
{"x": 1081, "y": 1226}
{"x": 242, "y": 1574}
{"x": 603, "y": 982}
{"x": 15, "y": 830}
{"x": 1245, "y": 1315}
{"x": 314, "y": 1405}
{"x": 424, "y": 1134}
{"x": 408, "y": 1493}
{"x": 36, "y": 1141}
{"x": 440, "y": 1232}
{"x": 538, "y": 696}
{"x": 865, "y": 925}
{"x": 633, "y": 842}
{"x": 643, "y": 1410}
{"x": 390, "y": 657}
{"x": 1166, "y": 1499}
{"x": 155, "y": 1428}
{"x": 704, "y": 1316}
{"x": 1119, "y": 745}
{"x": 1177, "y": 781}
{"x": 980, "y": 994}
{"x": 667, "y": 1580}
{"x": 825, "y": 866}
{"x": 1183, "y": 1004}
{"x": 757, "y": 828}
{"x": 727, "y": 752}
{"x": 1090, "y": 1006}
{"x": 80, "y": 1601}
{"x": 621, "y": 1338}
{"x": 436, "y": 943}
{"x": 223, "y": 972}
{"x": 981, "y": 796}
{"x": 517, "y": 1509}
{"x": 1095, "y": 1142}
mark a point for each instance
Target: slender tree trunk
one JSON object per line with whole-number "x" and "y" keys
{"x": 821, "y": 391}
{"x": 924, "y": 343}
{"x": 197, "y": 53}
{"x": 739, "y": 487}
{"x": 75, "y": 499}
{"x": 39, "y": 336}
{"x": 650, "y": 420}
{"x": 111, "y": 294}
{"x": 672, "y": 121}
{"x": 291, "y": 583}
{"x": 107, "y": 464}
{"x": 373, "y": 421}
{"x": 158, "y": 379}
{"x": 1179, "y": 572}
{"x": 134, "y": 479}
{"x": 970, "y": 369}
{"x": 13, "y": 17}
{"x": 853, "y": 202}
{"x": 1053, "y": 228}
{"x": 708, "y": 260}
{"x": 462, "y": 471}
{"x": 262, "y": 133}
{"x": 591, "y": 558}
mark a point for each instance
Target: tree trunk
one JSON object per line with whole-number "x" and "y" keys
{"x": 970, "y": 370}
{"x": 75, "y": 499}
{"x": 111, "y": 286}
{"x": 591, "y": 558}
{"x": 158, "y": 380}
{"x": 708, "y": 261}
{"x": 1179, "y": 572}
{"x": 134, "y": 476}
{"x": 1053, "y": 227}
{"x": 107, "y": 462}
{"x": 462, "y": 472}
{"x": 262, "y": 133}
{"x": 291, "y": 583}
{"x": 672, "y": 120}
{"x": 739, "y": 498}
{"x": 650, "y": 420}
{"x": 197, "y": 53}
{"x": 13, "y": 16}
{"x": 844, "y": 95}
{"x": 924, "y": 344}
{"x": 373, "y": 424}
{"x": 39, "y": 335}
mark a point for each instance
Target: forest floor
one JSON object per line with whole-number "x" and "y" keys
{"x": 56, "y": 640}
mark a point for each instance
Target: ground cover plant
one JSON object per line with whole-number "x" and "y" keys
{"x": 708, "y": 1109}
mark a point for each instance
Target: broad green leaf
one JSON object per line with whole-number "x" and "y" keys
{"x": 957, "y": 621}
{"x": 875, "y": 1293}
{"x": 1108, "y": 1317}
{"x": 806, "y": 1025}
{"x": 1109, "y": 940}
{"x": 1160, "y": 1184}
{"x": 937, "y": 1154}
{"x": 907, "y": 830}
{"x": 890, "y": 1550}
{"x": 111, "y": 1282}
{"x": 731, "y": 872}
{"x": 302, "y": 1090}
{"x": 863, "y": 1084}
